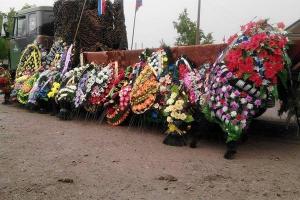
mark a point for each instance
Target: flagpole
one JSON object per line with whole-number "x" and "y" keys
{"x": 133, "y": 28}
{"x": 198, "y": 24}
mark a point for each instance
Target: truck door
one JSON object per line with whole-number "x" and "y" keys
{"x": 24, "y": 34}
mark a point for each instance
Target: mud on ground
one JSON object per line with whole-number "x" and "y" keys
{"x": 42, "y": 157}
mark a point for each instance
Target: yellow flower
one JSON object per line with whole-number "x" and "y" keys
{"x": 182, "y": 116}
{"x": 173, "y": 95}
{"x": 173, "y": 114}
{"x": 168, "y": 109}
{"x": 179, "y": 102}
{"x": 169, "y": 119}
{"x": 170, "y": 101}
{"x": 178, "y": 107}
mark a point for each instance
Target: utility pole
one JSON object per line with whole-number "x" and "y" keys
{"x": 198, "y": 24}
{"x": 133, "y": 29}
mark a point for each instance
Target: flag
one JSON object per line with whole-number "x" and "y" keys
{"x": 101, "y": 7}
{"x": 138, "y": 4}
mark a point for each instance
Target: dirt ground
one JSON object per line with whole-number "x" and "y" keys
{"x": 40, "y": 153}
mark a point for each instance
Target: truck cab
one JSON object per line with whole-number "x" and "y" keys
{"x": 30, "y": 24}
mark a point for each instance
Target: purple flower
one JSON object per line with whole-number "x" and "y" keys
{"x": 214, "y": 106}
{"x": 257, "y": 102}
{"x": 229, "y": 88}
{"x": 229, "y": 75}
{"x": 227, "y": 116}
{"x": 249, "y": 98}
{"x": 219, "y": 113}
{"x": 245, "y": 113}
{"x": 234, "y": 105}
{"x": 234, "y": 122}
{"x": 237, "y": 93}
{"x": 226, "y": 95}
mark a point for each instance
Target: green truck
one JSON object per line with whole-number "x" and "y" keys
{"x": 30, "y": 24}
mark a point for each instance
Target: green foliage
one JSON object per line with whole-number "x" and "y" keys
{"x": 10, "y": 20}
{"x": 3, "y": 49}
{"x": 10, "y": 16}
{"x": 28, "y": 6}
{"x": 187, "y": 30}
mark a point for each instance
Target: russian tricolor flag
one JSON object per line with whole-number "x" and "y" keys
{"x": 101, "y": 7}
{"x": 138, "y": 4}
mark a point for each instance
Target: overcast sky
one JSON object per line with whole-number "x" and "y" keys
{"x": 221, "y": 17}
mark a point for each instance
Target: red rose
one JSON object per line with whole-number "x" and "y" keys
{"x": 263, "y": 54}
{"x": 282, "y": 42}
{"x": 249, "y": 61}
{"x": 255, "y": 78}
{"x": 272, "y": 44}
{"x": 246, "y": 68}
{"x": 239, "y": 117}
{"x": 270, "y": 73}
{"x": 243, "y": 94}
{"x": 278, "y": 52}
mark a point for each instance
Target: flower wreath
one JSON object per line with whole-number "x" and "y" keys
{"x": 158, "y": 61}
{"x": 70, "y": 80}
{"x": 85, "y": 84}
{"x": 30, "y": 60}
{"x": 23, "y": 93}
{"x": 38, "y": 89}
{"x": 103, "y": 84}
{"x": 191, "y": 79}
{"x": 5, "y": 80}
{"x": 54, "y": 57}
{"x": 144, "y": 91}
{"x": 177, "y": 110}
{"x": 120, "y": 109}
{"x": 245, "y": 76}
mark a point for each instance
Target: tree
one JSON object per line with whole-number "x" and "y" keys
{"x": 10, "y": 20}
{"x": 26, "y": 5}
{"x": 187, "y": 29}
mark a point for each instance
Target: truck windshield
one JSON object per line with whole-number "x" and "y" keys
{"x": 21, "y": 31}
{"x": 47, "y": 26}
{"x": 32, "y": 23}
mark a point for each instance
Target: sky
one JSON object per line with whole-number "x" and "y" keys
{"x": 221, "y": 17}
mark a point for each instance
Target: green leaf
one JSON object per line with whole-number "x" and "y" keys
{"x": 165, "y": 114}
{"x": 262, "y": 91}
{"x": 175, "y": 89}
{"x": 246, "y": 76}
{"x": 287, "y": 60}
{"x": 189, "y": 119}
{"x": 275, "y": 92}
{"x": 283, "y": 76}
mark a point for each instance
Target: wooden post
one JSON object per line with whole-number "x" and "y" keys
{"x": 198, "y": 24}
